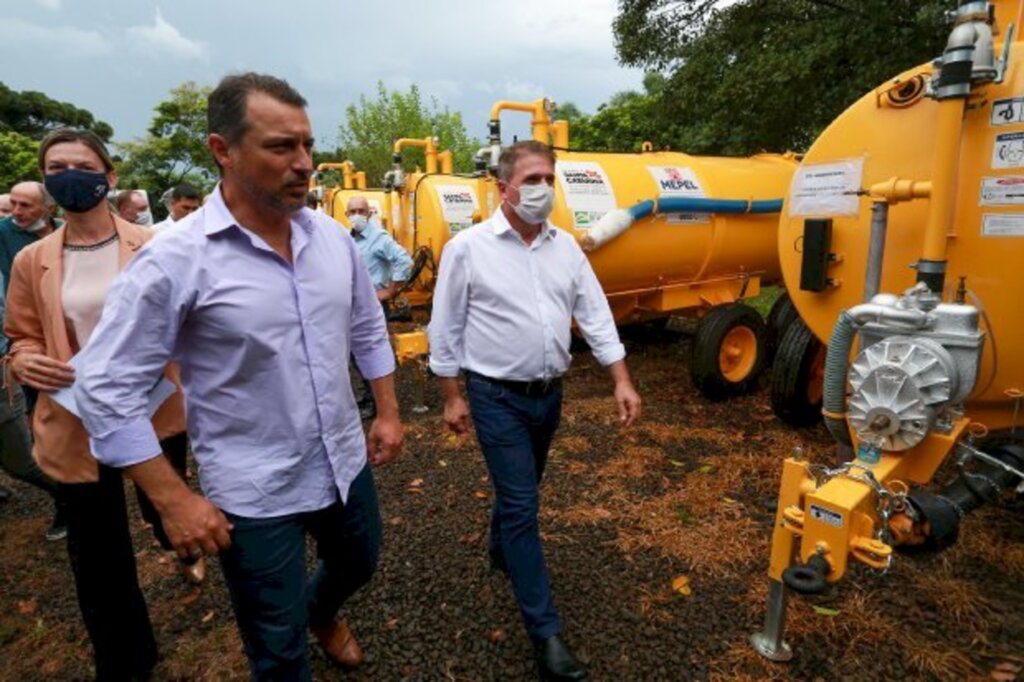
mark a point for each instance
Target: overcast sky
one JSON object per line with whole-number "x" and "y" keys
{"x": 119, "y": 58}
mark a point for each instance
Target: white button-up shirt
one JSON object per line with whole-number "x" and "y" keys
{"x": 504, "y": 309}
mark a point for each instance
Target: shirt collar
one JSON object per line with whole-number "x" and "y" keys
{"x": 371, "y": 230}
{"x": 501, "y": 225}
{"x": 218, "y": 216}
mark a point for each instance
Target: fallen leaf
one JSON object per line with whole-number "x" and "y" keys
{"x": 413, "y": 490}
{"x": 676, "y": 463}
{"x": 416, "y": 483}
{"x": 391, "y": 624}
{"x": 497, "y": 635}
{"x": 442, "y": 463}
{"x": 395, "y": 520}
{"x": 208, "y": 617}
{"x": 822, "y": 611}
{"x": 602, "y": 513}
{"x": 1005, "y": 672}
{"x": 729, "y": 500}
{"x": 191, "y": 596}
{"x": 706, "y": 469}
{"x": 681, "y": 584}
{"x": 27, "y": 606}
{"x": 480, "y": 495}
{"x": 452, "y": 438}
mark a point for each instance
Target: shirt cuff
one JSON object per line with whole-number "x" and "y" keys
{"x": 446, "y": 370}
{"x": 610, "y": 355}
{"x": 131, "y": 444}
{"x": 378, "y": 362}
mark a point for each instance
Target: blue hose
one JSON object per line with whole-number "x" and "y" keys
{"x": 694, "y": 205}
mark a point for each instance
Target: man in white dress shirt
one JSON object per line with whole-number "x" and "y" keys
{"x": 508, "y": 291}
{"x": 184, "y": 199}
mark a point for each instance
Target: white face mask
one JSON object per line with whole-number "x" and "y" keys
{"x": 358, "y": 222}
{"x": 144, "y": 218}
{"x": 535, "y": 203}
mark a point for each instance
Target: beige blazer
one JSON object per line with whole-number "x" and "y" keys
{"x": 35, "y": 323}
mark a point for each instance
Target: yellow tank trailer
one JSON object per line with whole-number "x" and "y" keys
{"x": 335, "y": 199}
{"x": 923, "y": 364}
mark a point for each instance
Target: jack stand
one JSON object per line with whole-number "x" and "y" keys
{"x": 769, "y": 642}
{"x": 421, "y": 388}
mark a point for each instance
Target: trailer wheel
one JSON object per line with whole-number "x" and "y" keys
{"x": 728, "y": 351}
{"x": 797, "y": 376}
{"x": 779, "y": 318}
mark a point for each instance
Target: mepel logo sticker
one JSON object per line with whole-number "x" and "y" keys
{"x": 676, "y": 181}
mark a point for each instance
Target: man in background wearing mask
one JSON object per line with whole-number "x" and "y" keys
{"x": 134, "y": 207}
{"x": 31, "y": 219}
{"x": 183, "y": 200}
{"x": 389, "y": 267}
{"x": 5, "y": 205}
{"x": 508, "y": 290}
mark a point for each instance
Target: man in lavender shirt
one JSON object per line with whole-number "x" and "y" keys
{"x": 261, "y": 301}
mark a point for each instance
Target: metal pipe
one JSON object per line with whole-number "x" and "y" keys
{"x": 540, "y": 123}
{"x": 876, "y": 249}
{"x": 769, "y": 642}
{"x": 447, "y": 164}
{"x": 429, "y": 146}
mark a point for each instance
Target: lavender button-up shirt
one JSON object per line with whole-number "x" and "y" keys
{"x": 263, "y": 347}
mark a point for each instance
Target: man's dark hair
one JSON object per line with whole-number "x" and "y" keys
{"x": 511, "y": 154}
{"x": 225, "y": 114}
{"x": 185, "y": 191}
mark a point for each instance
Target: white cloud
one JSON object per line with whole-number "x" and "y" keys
{"x": 53, "y": 5}
{"x": 163, "y": 37}
{"x": 511, "y": 89}
{"x": 66, "y": 40}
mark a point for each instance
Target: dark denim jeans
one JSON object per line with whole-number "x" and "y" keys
{"x": 515, "y": 433}
{"x": 16, "y": 443}
{"x": 273, "y": 599}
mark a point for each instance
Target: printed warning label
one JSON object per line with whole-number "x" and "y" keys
{"x": 676, "y": 181}
{"x": 826, "y": 516}
{"x": 587, "y": 191}
{"x": 1007, "y": 111}
{"x": 686, "y": 218}
{"x": 1008, "y": 150}
{"x": 458, "y": 204}
{"x": 1006, "y": 190}
{"x": 826, "y": 188}
{"x": 1003, "y": 225}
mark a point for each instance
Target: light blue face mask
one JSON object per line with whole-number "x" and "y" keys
{"x": 535, "y": 203}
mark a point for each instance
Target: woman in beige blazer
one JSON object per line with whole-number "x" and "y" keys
{"x": 56, "y": 294}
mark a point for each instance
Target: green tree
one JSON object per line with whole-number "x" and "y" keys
{"x": 174, "y": 148}
{"x": 769, "y": 74}
{"x": 372, "y": 125}
{"x": 33, "y": 114}
{"x": 624, "y": 123}
{"x": 17, "y": 160}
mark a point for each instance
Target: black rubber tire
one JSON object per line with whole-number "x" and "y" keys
{"x": 790, "y": 376}
{"x": 782, "y": 314}
{"x": 711, "y": 331}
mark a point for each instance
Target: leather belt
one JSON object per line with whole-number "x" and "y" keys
{"x": 537, "y": 387}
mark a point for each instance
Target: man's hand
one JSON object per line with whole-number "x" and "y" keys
{"x": 456, "y": 414}
{"x": 626, "y": 396}
{"x": 194, "y": 525}
{"x": 384, "y": 441}
{"x": 629, "y": 403}
{"x": 41, "y": 372}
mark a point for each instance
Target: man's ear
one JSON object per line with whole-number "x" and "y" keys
{"x": 220, "y": 149}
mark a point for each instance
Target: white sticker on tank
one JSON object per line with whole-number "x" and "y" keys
{"x": 586, "y": 190}
{"x": 826, "y": 188}
{"x": 827, "y": 516}
{"x": 458, "y": 204}
{"x": 1007, "y": 111}
{"x": 1003, "y": 225}
{"x": 1006, "y": 190}
{"x": 676, "y": 181}
{"x": 1008, "y": 150}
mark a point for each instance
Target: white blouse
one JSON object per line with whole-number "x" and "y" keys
{"x": 88, "y": 273}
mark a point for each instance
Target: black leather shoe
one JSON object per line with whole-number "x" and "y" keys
{"x": 555, "y": 662}
{"x": 498, "y": 561}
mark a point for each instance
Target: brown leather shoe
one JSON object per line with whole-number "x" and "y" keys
{"x": 340, "y": 644}
{"x": 194, "y": 573}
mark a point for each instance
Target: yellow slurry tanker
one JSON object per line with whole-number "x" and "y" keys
{"x": 666, "y": 233}
{"x": 924, "y": 364}
{"x": 335, "y": 199}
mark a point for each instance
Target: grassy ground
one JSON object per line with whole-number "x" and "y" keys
{"x": 686, "y": 496}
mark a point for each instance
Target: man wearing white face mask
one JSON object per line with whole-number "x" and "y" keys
{"x": 507, "y": 293}
{"x": 31, "y": 219}
{"x": 389, "y": 266}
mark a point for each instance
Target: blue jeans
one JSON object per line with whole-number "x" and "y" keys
{"x": 515, "y": 433}
{"x": 273, "y": 599}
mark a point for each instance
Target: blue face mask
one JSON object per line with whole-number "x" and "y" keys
{"x": 77, "y": 191}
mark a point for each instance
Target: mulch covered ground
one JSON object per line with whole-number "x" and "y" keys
{"x": 685, "y": 497}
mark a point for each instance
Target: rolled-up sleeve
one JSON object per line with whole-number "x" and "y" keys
{"x": 125, "y": 358}
{"x": 399, "y": 261}
{"x": 371, "y": 346}
{"x": 594, "y": 317}
{"x": 448, "y": 317}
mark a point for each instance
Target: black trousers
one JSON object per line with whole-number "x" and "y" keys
{"x": 106, "y": 580}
